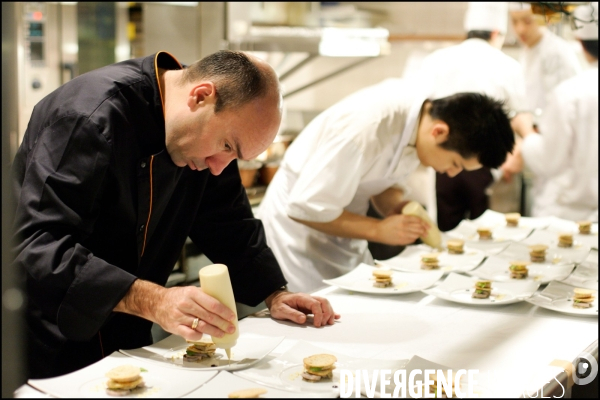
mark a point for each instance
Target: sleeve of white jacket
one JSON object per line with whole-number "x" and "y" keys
{"x": 547, "y": 153}
{"x": 328, "y": 182}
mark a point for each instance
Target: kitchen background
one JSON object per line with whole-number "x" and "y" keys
{"x": 45, "y": 44}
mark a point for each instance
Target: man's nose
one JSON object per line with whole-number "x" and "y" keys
{"x": 452, "y": 172}
{"x": 216, "y": 165}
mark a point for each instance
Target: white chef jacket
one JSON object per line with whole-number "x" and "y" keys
{"x": 545, "y": 65}
{"x": 550, "y": 62}
{"x": 352, "y": 151}
{"x": 471, "y": 66}
{"x": 566, "y": 151}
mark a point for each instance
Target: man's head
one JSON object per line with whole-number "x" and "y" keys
{"x": 586, "y": 21}
{"x": 487, "y": 21}
{"x": 463, "y": 131}
{"x": 224, "y": 106}
{"x": 526, "y": 24}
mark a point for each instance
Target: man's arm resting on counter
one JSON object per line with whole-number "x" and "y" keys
{"x": 141, "y": 299}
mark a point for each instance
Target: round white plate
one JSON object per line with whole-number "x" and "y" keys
{"x": 155, "y": 388}
{"x": 467, "y": 231}
{"x": 410, "y": 260}
{"x": 558, "y": 296}
{"x": 496, "y": 268}
{"x": 360, "y": 279}
{"x": 292, "y": 376}
{"x": 459, "y": 288}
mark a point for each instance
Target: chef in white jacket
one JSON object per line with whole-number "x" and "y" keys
{"x": 362, "y": 149}
{"x": 475, "y": 65}
{"x": 566, "y": 150}
{"x": 547, "y": 60}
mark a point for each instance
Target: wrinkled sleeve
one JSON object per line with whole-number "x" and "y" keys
{"x": 546, "y": 154}
{"x": 58, "y": 179}
{"x": 226, "y": 231}
{"x": 328, "y": 182}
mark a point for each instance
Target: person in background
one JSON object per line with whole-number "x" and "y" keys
{"x": 566, "y": 150}
{"x": 547, "y": 60}
{"x": 360, "y": 150}
{"x": 117, "y": 168}
{"x": 475, "y": 65}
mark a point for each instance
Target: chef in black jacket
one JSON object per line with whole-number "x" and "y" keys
{"x": 117, "y": 168}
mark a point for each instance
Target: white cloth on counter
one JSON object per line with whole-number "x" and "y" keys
{"x": 354, "y": 150}
{"x": 471, "y": 66}
{"x": 566, "y": 151}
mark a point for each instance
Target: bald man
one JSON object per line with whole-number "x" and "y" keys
{"x": 117, "y": 168}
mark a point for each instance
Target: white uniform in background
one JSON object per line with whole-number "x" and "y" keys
{"x": 352, "y": 151}
{"x": 472, "y": 66}
{"x": 566, "y": 151}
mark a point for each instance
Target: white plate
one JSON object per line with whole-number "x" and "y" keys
{"x": 496, "y": 268}
{"x": 284, "y": 372}
{"x": 467, "y": 231}
{"x": 248, "y": 351}
{"x": 90, "y": 381}
{"x": 584, "y": 275}
{"x": 459, "y": 288}
{"x": 559, "y": 225}
{"x": 557, "y": 296}
{"x": 225, "y": 382}
{"x": 495, "y": 218}
{"x": 360, "y": 279}
{"x": 410, "y": 260}
{"x": 576, "y": 254}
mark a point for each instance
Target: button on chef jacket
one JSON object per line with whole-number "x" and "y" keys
{"x": 566, "y": 153}
{"x": 356, "y": 149}
{"x": 100, "y": 203}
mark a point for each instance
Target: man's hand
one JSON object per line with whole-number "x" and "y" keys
{"x": 175, "y": 309}
{"x": 295, "y": 307}
{"x": 399, "y": 229}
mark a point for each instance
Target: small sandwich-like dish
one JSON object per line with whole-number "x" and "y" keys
{"x": 484, "y": 233}
{"x": 512, "y": 219}
{"x": 537, "y": 252}
{"x": 251, "y": 393}
{"x": 585, "y": 227}
{"x": 582, "y": 298}
{"x": 434, "y": 386}
{"x": 383, "y": 278}
{"x": 200, "y": 350}
{"x": 455, "y": 246}
{"x": 518, "y": 269}
{"x": 429, "y": 261}
{"x": 123, "y": 379}
{"x": 565, "y": 240}
{"x": 318, "y": 366}
{"x": 483, "y": 289}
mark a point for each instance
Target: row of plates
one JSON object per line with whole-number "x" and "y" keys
{"x": 279, "y": 375}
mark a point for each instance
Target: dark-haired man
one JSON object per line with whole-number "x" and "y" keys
{"x": 475, "y": 65}
{"x": 360, "y": 150}
{"x": 117, "y": 168}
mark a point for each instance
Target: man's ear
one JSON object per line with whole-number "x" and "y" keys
{"x": 201, "y": 95}
{"x": 440, "y": 131}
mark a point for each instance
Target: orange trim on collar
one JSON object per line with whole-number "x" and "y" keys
{"x": 162, "y": 101}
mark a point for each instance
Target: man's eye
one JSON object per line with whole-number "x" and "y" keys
{"x": 227, "y": 147}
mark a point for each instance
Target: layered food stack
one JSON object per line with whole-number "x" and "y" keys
{"x": 484, "y": 233}
{"x": 318, "y": 366}
{"x": 537, "y": 252}
{"x": 455, "y": 246}
{"x": 512, "y": 219}
{"x": 430, "y": 261}
{"x": 383, "y": 278}
{"x": 585, "y": 227}
{"x": 433, "y": 388}
{"x": 582, "y": 298}
{"x": 565, "y": 240}
{"x": 518, "y": 269}
{"x": 123, "y": 379}
{"x": 200, "y": 350}
{"x": 483, "y": 289}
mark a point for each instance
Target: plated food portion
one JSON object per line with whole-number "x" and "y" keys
{"x": 502, "y": 268}
{"x": 543, "y": 246}
{"x": 318, "y": 367}
{"x": 484, "y": 233}
{"x": 363, "y": 279}
{"x": 124, "y": 380}
{"x": 482, "y": 292}
{"x": 585, "y": 233}
{"x": 568, "y": 299}
{"x": 423, "y": 259}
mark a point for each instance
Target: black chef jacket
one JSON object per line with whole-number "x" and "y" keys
{"x": 100, "y": 203}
